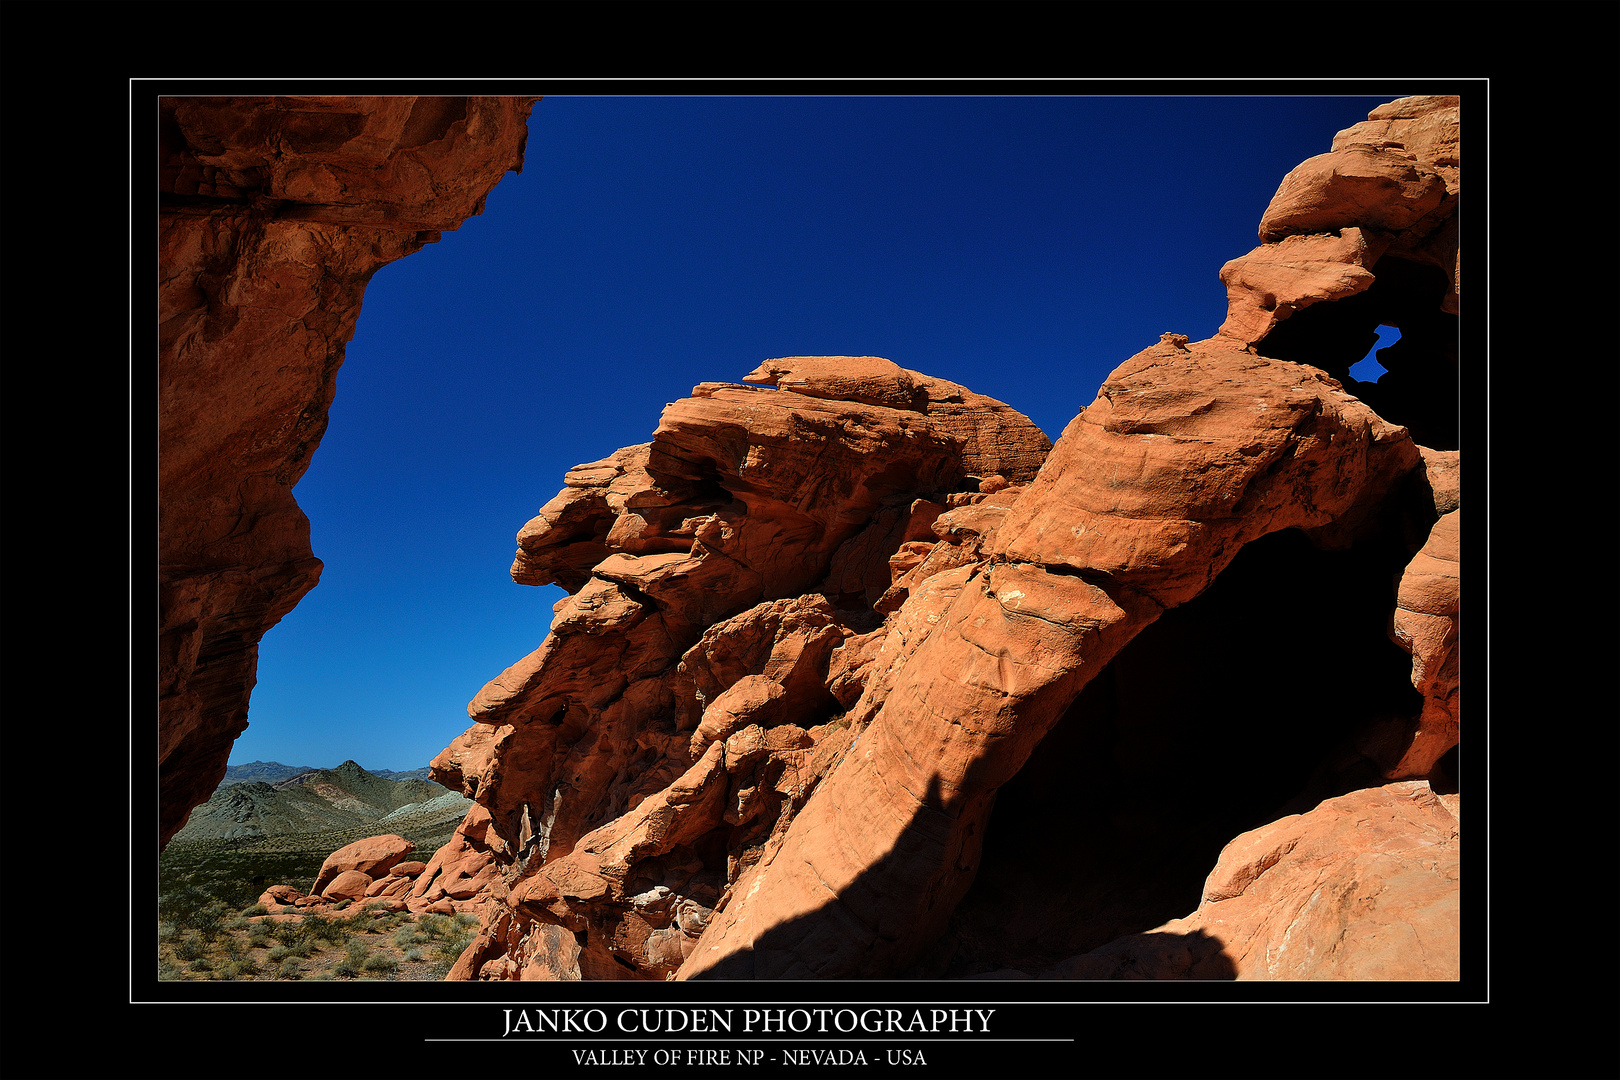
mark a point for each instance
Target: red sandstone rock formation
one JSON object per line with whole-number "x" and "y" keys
{"x": 374, "y": 870}
{"x": 680, "y": 711}
{"x": 1190, "y": 452}
{"x": 814, "y": 632}
{"x": 1365, "y": 886}
{"x": 275, "y": 212}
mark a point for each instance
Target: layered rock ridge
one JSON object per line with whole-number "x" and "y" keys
{"x": 273, "y": 215}
{"x": 693, "y": 688}
{"x": 817, "y": 633}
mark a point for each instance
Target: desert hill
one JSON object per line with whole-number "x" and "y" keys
{"x": 318, "y": 801}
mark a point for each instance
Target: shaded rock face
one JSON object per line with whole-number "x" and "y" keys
{"x": 274, "y": 214}
{"x": 1364, "y": 886}
{"x": 834, "y": 648}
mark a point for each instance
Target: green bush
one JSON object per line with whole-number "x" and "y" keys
{"x": 407, "y": 936}
{"x": 237, "y": 962}
{"x": 334, "y": 931}
{"x": 207, "y": 920}
{"x": 201, "y": 964}
{"x": 256, "y": 909}
{"x": 381, "y": 965}
{"x": 189, "y": 947}
{"x": 290, "y": 969}
{"x": 245, "y": 966}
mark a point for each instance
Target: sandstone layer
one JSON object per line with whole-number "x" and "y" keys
{"x": 834, "y": 647}
{"x": 274, "y": 213}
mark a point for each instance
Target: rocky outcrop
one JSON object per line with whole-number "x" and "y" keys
{"x": 1365, "y": 886}
{"x": 1361, "y": 237}
{"x": 374, "y": 870}
{"x": 681, "y": 709}
{"x": 1188, "y": 454}
{"x": 833, "y": 647}
{"x": 1191, "y": 452}
{"x": 274, "y": 214}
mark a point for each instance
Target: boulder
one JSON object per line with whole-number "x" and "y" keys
{"x": 374, "y": 857}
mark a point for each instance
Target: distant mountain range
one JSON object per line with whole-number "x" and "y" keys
{"x": 317, "y": 800}
{"x": 273, "y": 772}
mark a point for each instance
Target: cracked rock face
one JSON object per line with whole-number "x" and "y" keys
{"x": 274, "y": 214}
{"x": 814, "y": 631}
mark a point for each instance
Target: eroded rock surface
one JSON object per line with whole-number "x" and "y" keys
{"x": 814, "y": 630}
{"x": 274, "y": 214}
{"x": 691, "y": 693}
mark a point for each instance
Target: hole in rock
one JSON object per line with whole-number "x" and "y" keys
{"x": 1419, "y": 386}
{"x": 1368, "y": 369}
{"x": 1227, "y": 713}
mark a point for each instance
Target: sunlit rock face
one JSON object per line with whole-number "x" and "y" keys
{"x": 273, "y": 215}
{"x": 857, "y": 678}
{"x": 693, "y": 689}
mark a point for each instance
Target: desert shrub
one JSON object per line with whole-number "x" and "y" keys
{"x": 450, "y": 949}
{"x": 334, "y": 931}
{"x": 208, "y": 919}
{"x": 347, "y": 968}
{"x": 237, "y": 923}
{"x": 168, "y": 971}
{"x": 256, "y": 909}
{"x": 202, "y": 963}
{"x": 292, "y": 933}
{"x": 167, "y": 931}
{"x": 290, "y": 969}
{"x": 259, "y": 936}
{"x": 361, "y": 923}
{"x": 236, "y": 969}
{"x": 407, "y": 936}
{"x": 413, "y": 955}
{"x": 189, "y": 947}
{"x": 381, "y": 965}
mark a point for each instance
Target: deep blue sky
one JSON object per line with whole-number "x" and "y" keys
{"x": 1021, "y": 246}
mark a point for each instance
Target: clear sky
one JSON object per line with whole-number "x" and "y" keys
{"x": 1022, "y": 246}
